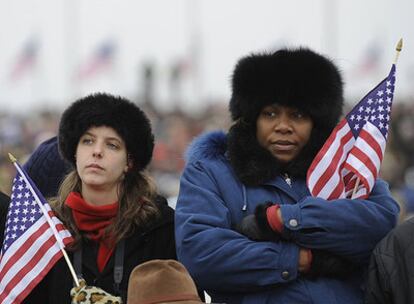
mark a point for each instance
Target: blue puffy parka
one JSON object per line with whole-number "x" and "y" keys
{"x": 235, "y": 269}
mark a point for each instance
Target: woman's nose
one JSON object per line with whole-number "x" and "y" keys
{"x": 97, "y": 154}
{"x": 97, "y": 151}
{"x": 283, "y": 124}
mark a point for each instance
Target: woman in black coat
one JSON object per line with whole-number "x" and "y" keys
{"x": 152, "y": 242}
{"x": 107, "y": 202}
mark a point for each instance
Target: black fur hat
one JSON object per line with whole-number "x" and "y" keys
{"x": 101, "y": 109}
{"x": 298, "y": 78}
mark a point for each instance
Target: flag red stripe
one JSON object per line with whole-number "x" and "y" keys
{"x": 366, "y": 160}
{"x": 361, "y": 178}
{"x": 351, "y": 184}
{"x": 336, "y": 192}
{"x": 327, "y": 145}
{"x": 330, "y": 171}
{"x": 348, "y": 177}
{"x": 50, "y": 242}
{"x": 22, "y": 250}
{"x": 372, "y": 142}
{"x": 38, "y": 278}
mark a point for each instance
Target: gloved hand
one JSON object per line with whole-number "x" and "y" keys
{"x": 326, "y": 264}
{"x": 84, "y": 294}
{"x": 256, "y": 227}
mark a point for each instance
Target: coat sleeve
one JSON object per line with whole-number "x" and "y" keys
{"x": 350, "y": 228}
{"x": 377, "y": 286}
{"x": 210, "y": 249}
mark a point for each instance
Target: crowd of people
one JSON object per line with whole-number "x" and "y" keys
{"x": 21, "y": 134}
{"x": 224, "y": 194}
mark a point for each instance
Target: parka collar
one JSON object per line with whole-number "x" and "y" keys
{"x": 252, "y": 164}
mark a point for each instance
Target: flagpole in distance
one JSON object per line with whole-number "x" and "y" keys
{"x": 49, "y": 220}
{"x": 398, "y": 49}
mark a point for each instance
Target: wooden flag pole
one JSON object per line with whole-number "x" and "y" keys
{"x": 49, "y": 220}
{"x": 398, "y": 49}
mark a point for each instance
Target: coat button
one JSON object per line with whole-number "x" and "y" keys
{"x": 293, "y": 223}
{"x": 285, "y": 275}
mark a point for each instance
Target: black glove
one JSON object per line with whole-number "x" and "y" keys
{"x": 256, "y": 227}
{"x": 326, "y": 264}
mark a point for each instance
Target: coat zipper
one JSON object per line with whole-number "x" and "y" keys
{"x": 288, "y": 180}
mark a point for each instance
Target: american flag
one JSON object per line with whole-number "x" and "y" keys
{"x": 353, "y": 152}
{"x": 99, "y": 61}
{"x": 25, "y": 60}
{"x": 32, "y": 242}
{"x": 370, "y": 60}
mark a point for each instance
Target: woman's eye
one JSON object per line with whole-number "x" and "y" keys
{"x": 113, "y": 146}
{"x": 86, "y": 141}
{"x": 299, "y": 115}
{"x": 269, "y": 113}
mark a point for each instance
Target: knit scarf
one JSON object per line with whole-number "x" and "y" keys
{"x": 92, "y": 220}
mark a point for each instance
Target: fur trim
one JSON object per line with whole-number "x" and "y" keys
{"x": 297, "y": 78}
{"x": 255, "y": 165}
{"x": 209, "y": 145}
{"x": 128, "y": 120}
{"x": 252, "y": 164}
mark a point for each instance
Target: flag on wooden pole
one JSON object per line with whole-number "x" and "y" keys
{"x": 33, "y": 241}
{"x": 350, "y": 160}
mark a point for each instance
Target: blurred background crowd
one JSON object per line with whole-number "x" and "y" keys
{"x": 173, "y": 131}
{"x": 174, "y": 59}
{"x": 21, "y": 134}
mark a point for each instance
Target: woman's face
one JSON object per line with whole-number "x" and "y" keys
{"x": 101, "y": 159}
{"x": 283, "y": 131}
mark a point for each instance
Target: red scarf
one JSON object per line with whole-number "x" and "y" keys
{"x": 93, "y": 220}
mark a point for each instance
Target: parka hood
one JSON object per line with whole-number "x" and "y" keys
{"x": 209, "y": 145}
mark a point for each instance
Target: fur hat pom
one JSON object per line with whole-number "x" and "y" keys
{"x": 101, "y": 109}
{"x": 297, "y": 78}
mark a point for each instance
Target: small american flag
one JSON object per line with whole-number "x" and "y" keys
{"x": 32, "y": 242}
{"x": 354, "y": 150}
{"x": 25, "y": 60}
{"x": 100, "y": 60}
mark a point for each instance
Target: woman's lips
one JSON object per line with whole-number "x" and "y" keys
{"x": 94, "y": 166}
{"x": 284, "y": 146}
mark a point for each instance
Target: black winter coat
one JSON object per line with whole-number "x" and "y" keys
{"x": 4, "y": 205}
{"x": 391, "y": 271}
{"x": 154, "y": 242}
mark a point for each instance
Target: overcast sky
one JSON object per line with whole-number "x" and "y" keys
{"x": 209, "y": 35}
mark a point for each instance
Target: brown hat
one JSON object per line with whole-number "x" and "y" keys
{"x": 161, "y": 281}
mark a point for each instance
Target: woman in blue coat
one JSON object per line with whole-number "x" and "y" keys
{"x": 247, "y": 228}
